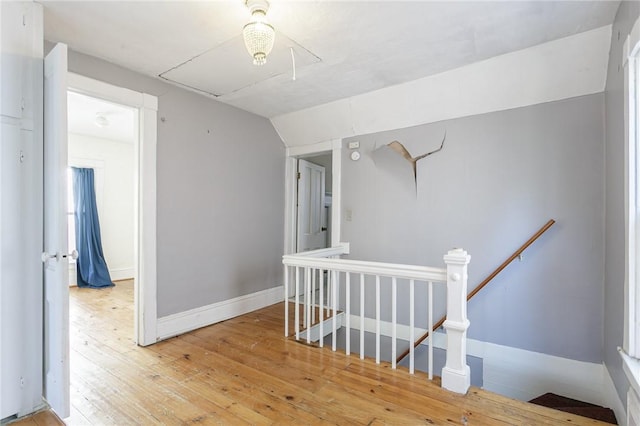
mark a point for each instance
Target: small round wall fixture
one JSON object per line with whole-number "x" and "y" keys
{"x": 355, "y": 155}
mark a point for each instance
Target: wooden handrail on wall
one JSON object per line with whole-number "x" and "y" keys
{"x": 484, "y": 282}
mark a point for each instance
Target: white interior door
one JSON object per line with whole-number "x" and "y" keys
{"x": 312, "y": 234}
{"x": 56, "y": 262}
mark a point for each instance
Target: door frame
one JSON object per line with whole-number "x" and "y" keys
{"x": 291, "y": 194}
{"x": 145, "y": 270}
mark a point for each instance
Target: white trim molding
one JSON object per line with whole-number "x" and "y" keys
{"x": 122, "y": 274}
{"x": 633, "y": 408}
{"x": 336, "y": 192}
{"x": 183, "y": 322}
{"x": 145, "y": 278}
{"x": 292, "y": 154}
{"x": 119, "y": 274}
{"x": 630, "y": 63}
{"x": 524, "y": 375}
{"x": 327, "y": 324}
{"x": 630, "y": 352}
{"x": 560, "y": 69}
{"x": 611, "y": 397}
{"x": 631, "y": 368}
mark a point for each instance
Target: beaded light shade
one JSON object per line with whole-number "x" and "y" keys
{"x": 258, "y": 34}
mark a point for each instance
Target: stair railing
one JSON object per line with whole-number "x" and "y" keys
{"x": 304, "y": 270}
{"x": 479, "y": 287}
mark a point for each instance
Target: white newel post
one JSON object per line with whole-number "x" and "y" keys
{"x": 456, "y": 375}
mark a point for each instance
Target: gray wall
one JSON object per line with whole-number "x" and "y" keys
{"x": 614, "y": 223}
{"x": 498, "y": 179}
{"x": 220, "y": 183}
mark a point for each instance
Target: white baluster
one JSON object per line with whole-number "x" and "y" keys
{"x": 361, "y": 316}
{"x": 348, "y": 313}
{"x": 305, "y": 293}
{"x": 329, "y": 296}
{"x": 337, "y": 285}
{"x": 286, "y": 301}
{"x": 307, "y": 312}
{"x": 313, "y": 296}
{"x": 430, "y": 329}
{"x": 321, "y": 311}
{"x": 412, "y": 337}
{"x": 456, "y": 375}
{"x": 297, "y": 295}
{"x": 377, "y": 319}
{"x": 394, "y": 324}
{"x": 334, "y": 293}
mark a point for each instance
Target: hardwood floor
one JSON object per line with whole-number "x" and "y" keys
{"x": 243, "y": 371}
{"x": 41, "y": 418}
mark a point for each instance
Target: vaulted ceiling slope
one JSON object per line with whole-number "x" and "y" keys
{"x": 342, "y": 48}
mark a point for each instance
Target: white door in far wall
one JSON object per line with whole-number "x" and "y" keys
{"x": 55, "y": 256}
{"x": 312, "y": 233}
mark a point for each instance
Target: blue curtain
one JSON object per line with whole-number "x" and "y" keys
{"x": 91, "y": 267}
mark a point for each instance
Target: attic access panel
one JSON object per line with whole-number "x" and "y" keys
{"x": 228, "y": 68}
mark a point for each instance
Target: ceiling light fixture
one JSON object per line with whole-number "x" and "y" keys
{"x": 258, "y": 33}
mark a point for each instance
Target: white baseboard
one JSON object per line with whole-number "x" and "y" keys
{"x": 518, "y": 373}
{"x": 633, "y": 407}
{"x": 524, "y": 375}
{"x": 121, "y": 274}
{"x": 327, "y": 328}
{"x": 193, "y": 319}
{"x": 116, "y": 274}
{"x": 612, "y": 398}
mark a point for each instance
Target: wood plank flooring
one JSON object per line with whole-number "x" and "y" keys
{"x": 243, "y": 371}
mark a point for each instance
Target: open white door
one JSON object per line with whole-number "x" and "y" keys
{"x": 55, "y": 258}
{"x": 312, "y": 234}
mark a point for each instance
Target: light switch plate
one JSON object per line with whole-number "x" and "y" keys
{"x": 354, "y": 145}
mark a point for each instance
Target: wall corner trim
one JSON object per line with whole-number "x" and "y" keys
{"x": 183, "y": 322}
{"x": 149, "y": 101}
{"x": 610, "y": 396}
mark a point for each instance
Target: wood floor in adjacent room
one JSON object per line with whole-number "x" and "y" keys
{"x": 244, "y": 371}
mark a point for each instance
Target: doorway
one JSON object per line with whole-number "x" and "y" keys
{"x": 102, "y": 140}
{"x": 332, "y": 150}
{"x": 102, "y": 137}
{"x": 328, "y": 155}
{"x": 313, "y": 216}
{"x": 143, "y": 108}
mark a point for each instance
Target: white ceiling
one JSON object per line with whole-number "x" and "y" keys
{"x": 358, "y": 46}
{"x": 82, "y": 112}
